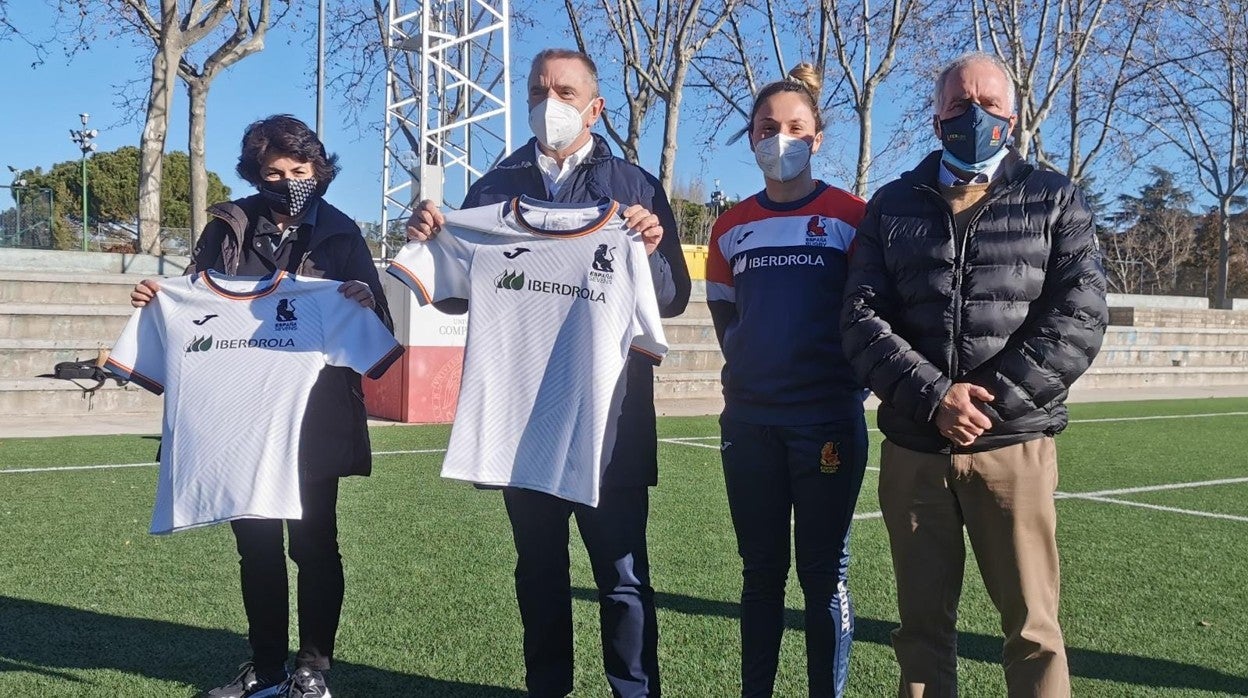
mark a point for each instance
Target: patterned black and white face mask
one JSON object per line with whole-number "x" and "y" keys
{"x": 290, "y": 197}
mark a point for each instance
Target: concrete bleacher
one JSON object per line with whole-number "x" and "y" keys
{"x": 1162, "y": 342}
{"x": 63, "y": 306}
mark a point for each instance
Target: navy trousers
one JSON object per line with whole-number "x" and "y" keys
{"x": 615, "y": 538}
{"x": 805, "y": 480}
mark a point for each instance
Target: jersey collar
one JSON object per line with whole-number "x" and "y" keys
{"x": 267, "y": 284}
{"x": 514, "y": 217}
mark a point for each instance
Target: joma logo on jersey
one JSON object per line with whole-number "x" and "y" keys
{"x": 286, "y": 320}
{"x": 510, "y": 280}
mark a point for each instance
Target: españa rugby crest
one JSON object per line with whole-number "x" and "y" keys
{"x": 829, "y": 458}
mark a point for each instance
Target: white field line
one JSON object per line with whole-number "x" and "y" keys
{"x": 78, "y": 467}
{"x": 1158, "y": 507}
{"x": 682, "y": 440}
{"x": 1152, "y": 488}
{"x": 152, "y": 464}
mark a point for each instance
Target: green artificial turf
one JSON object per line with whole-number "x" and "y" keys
{"x": 1154, "y": 602}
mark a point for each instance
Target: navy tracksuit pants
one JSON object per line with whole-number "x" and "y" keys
{"x": 803, "y": 479}
{"x": 615, "y": 538}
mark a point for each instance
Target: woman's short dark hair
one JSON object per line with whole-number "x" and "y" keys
{"x": 284, "y": 135}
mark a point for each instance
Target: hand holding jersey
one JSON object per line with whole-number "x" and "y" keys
{"x": 559, "y": 295}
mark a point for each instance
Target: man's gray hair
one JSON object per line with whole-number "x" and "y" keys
{"x": 964, "y": 60}
{"x": 557, "y": 53}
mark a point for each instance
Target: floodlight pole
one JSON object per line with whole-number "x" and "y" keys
{"x": 83, "y": 138}
{"x": 448, "y": 103}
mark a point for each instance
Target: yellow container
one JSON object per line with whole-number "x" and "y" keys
{"x": 695, "y": 258}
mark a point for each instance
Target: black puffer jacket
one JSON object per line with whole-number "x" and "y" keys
{"x": 1016, "y": 305}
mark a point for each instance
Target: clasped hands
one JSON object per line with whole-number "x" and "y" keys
{"x": 959, "y": 417}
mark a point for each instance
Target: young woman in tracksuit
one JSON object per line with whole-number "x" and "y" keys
{"x": 794, "y": 438}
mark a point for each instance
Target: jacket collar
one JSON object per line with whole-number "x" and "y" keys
{"x": 927, "y": 172}
{"x": 238, "y": 214}
{"x": 526, "y": 155}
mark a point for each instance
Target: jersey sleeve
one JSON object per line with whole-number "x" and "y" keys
{"x": 436, "y": 269}
{"x": 719, "y": 285}
{"x": 355, "y": 337}
{"x": 648, "y": 338}
{"x": 138, "y": 355}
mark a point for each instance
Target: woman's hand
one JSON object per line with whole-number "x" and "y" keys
{"x": 144, "y": 292}
{"x": 359, "y": 292}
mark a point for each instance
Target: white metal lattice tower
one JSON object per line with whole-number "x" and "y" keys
{"x": 448, "y": 109}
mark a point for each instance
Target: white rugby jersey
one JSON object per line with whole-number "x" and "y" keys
{"x": 236, "y": 358}
{"x": 559, "y": 295}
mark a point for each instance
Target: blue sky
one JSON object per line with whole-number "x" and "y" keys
{"x": 43, "y": 103}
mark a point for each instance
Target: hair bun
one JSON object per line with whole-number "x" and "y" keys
{"x": 808, "y": 76}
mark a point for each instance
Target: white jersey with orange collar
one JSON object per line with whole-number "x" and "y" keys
{"x": 236, "y": 358}
{"x": 559, "y": 295}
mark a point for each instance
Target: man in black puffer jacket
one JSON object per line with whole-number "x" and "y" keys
{"x": 975, "y": 299}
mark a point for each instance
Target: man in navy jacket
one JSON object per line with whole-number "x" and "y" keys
{"x": 567, "y": 163}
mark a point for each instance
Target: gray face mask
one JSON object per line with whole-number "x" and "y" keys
{"x": 290, "y": 197}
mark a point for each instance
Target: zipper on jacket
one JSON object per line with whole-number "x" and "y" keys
{"x": 959, "y": 251}
{"x": 959, "y": 261}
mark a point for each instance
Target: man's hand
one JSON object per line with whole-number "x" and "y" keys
{"x": 357, "y": 291}
{"x": 958, "y": 418}
{"x": 144, "y": 292}
{"x": 638, "y": 218}
{"x": 425, "y": 222}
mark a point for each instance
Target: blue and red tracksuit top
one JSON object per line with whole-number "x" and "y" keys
{"x": 775, "y": 280}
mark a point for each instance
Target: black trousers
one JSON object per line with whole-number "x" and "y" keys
{"x": 262, "y": 560}
{"x": 615, "y": 538}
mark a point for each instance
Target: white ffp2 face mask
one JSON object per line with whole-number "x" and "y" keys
{"x": 782, "y": 157}
{"x": 556, "y": 124}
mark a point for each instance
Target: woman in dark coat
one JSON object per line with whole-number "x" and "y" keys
{"x": 288, "y": 226}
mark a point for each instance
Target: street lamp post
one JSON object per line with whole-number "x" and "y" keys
{"x": 83, "y": 138}
{"x": 16, "y": 187}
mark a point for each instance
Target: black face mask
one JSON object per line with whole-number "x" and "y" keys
{"x": 290, "y": 197}
{"x": 975, "y": 135}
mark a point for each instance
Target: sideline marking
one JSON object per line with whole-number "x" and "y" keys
{"x": 679, "y": 440}
{"x": 1158, "y": 507}
{"x": 1152, "y": 488}
{"x": 152, "y": 464}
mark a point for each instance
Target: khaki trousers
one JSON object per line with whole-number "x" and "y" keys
{"x": 1004, "y": 498}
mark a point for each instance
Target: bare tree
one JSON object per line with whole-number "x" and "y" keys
{"x": 638, "y": 96}
{"x": 656, "y": 47}
{"x": 173, "y": 29}
{"x": 865, "y": 43}
{"x": 247, "y": 38}
{"x": 1044, "y": 42}
{"x": 855, "y": 43}
{"x": 1196, "y": 103}
{"x": 1094, "y": 96}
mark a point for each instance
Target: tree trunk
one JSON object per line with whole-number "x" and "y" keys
{"x": 197, "y": 90}
{"x": 671, "y": 124}
{"x": 156, "y": 127}
{"x": 864, "y": 145}
{"x": 1224, "y": 250}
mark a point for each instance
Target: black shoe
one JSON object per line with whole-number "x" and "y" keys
{"x": 305, "y": 683}
{"x": 249, "y": 684}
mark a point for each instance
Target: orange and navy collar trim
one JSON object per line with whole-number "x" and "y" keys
{"x": 261, "y": 292}
{"x": 513, "y": 209}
